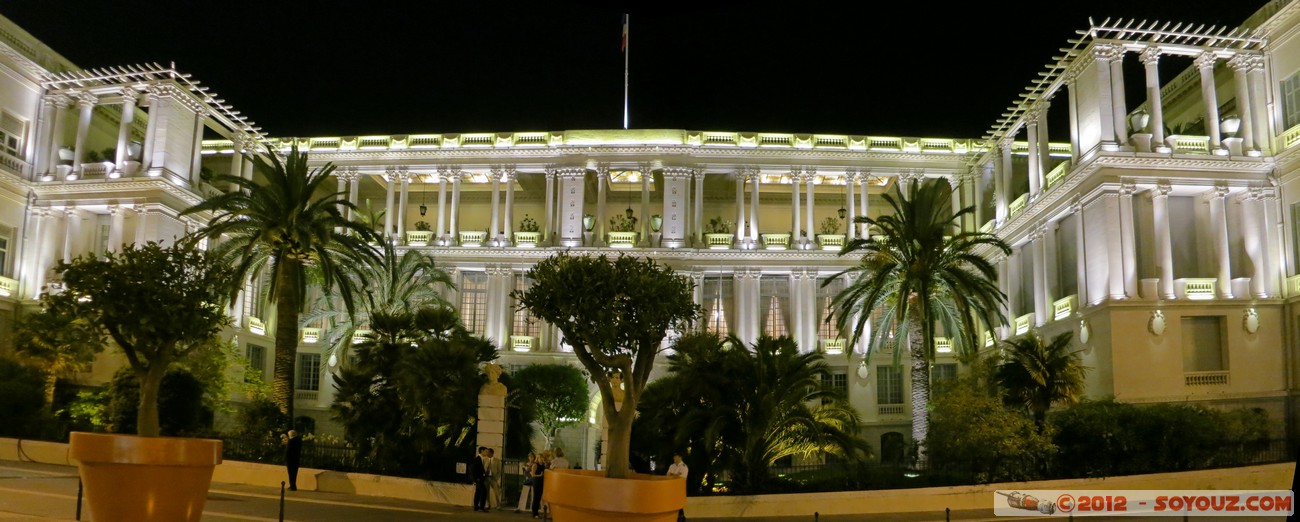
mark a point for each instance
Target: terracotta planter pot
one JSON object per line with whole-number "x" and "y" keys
{"x": 579, "y": 495}
{"x": 133, "y": 479}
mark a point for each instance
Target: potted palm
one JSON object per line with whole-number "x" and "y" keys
{"x": 527, "y": 235}
{"x": 717, "y": 233}
{"x": 158, "y": 305}
{"x": 615, "y": 313}
{"x": 622, "y": 230}
{"x": 830, "y": 237}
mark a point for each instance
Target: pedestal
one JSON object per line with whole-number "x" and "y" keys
{"x": 492, "y": 422}
{"x": 1141, "y": 142}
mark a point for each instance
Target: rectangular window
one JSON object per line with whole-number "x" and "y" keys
{"x": 1203, "y": 344}
{"x": 1291, "y": 101}
{"x": 525, "y": 323}
{"x": 309, "y": 371}
{"x": 1295, "y": 236}
{"x": 945, "y": 372}
{"x": 13, "y": 130}
{"x": 717, "y": 305}
{"x": 473, "y": 302}
{"x": 826, "y": 319}
{"x": 773, "y": 302}
{"x": 837, "y": 380}
{"x": 256, "y": 360}
{"x": 889, "y": 384}
{"x": 4, "y": 253}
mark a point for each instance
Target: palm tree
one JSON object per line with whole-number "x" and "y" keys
{"x": 918, "y": 271}
{"x": 391, "y": 283}
{"x": 749, "y": 408}
{"x": 287, "y": 224}
{"x": 1036, "y": 375}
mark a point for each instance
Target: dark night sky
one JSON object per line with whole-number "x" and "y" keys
{"x": 311, "y": 68}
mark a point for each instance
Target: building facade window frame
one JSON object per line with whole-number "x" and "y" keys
{"x": 308, "y": 372}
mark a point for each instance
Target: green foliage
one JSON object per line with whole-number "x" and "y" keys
{"x": 830, "y": 225}
{"x": 717, "y": 225}
{"x": 1034, "y": 374}
{"x": 556, "y": 394}
{"x": 22, "y": 399}
{"x": 741, "y": 410}
{"x": 422, "y": 226}
{"x": 615, "y": 314}
{"x": 158, "y": 304}
{"x": 410, "y": 400}
{"x": 528, "y": 224}
{"x": 181, "y": 410}
{"x": 286, "y": 222}
{"x": 87, "y": 412}
{"x": 58, "y": 341}
{"x": 973, "y": 432}
{"x": 260, "y": 418}
{"x": 622, "y": 223}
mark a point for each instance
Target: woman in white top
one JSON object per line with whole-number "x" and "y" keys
{"x": 526, "y": 493}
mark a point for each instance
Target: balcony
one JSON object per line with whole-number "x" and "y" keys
{"x": 1018, "y": 205}
{"x": 1206, "y": 378}
{"x": 1064, "y": 308}
{"x": 306, "y": 395}
{"x": 1058, "y": 173}
{"x": 311, "y": 335}
{"x": 833, "y": 346}
{"x": 8, "y": 287}
{"x": 776, "y": 241}
{"x": 527, "y": 239}
{"x": 1023, "y": 323}
{"x": 1195, "y": 288}
{"x": 523, "y": 343}
{"x": 622, "y": 239}
{"x": 473, "y": 239}
{"x": 830, "y": 241}
{"x": 718, "y": 241}
{"x": 1187, "y": 144}
{"x": 1292, "y": 285}
{"x": 359, "y": 336}
{"x": 255, "y": 325}
{"x": 1291, "y": 137}
{"x": 889, "y": 409}
{"x": 942, "y": 345}
{"x": 419, "y": 237}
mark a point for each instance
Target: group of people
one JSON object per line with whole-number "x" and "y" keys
{"x": 486, "y": 473}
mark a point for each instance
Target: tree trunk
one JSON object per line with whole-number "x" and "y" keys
{"x": 146, "y": 421}
{"x": 617, "y": 455}
{"x": 51, "y": 380}
{"x": 286, "y": 337}
{"x": 920, "y": 386}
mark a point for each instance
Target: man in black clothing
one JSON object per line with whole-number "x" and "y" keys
{"x": 292, "y": 453}
{"x": 479, "y": 472}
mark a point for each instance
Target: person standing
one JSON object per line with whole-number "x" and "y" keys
{"x": 539, "y": 474}
{"x": 679, "y": 469}
{"x": 560, "y": 462}
{"x": 478, "y": 472}
{"x": 493, "y": 481}
{"x": 526, "y": 492}
{"x": 292, "y": 456}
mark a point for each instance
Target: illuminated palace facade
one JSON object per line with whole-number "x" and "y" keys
{"x": 1162, "y": 231}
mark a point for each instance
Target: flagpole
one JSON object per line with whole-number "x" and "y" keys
{"x": 625, "y": 64}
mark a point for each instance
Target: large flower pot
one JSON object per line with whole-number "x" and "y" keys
{"x": 579, "y": 495}
{"x": 141, "y": 479}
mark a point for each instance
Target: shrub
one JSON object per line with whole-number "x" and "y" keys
{"x": 181, "y": 411}
{"x": 22, "y": 400}
{"x": 973, "y": 432}
{"x": 718, "y": 225}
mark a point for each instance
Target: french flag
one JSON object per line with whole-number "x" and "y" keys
{"x": 623, "y": 46}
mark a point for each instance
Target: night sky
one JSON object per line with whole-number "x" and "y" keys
{"x": 328, "y": 68}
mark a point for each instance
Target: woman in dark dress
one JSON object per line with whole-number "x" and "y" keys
{"x": 538, "y": 473}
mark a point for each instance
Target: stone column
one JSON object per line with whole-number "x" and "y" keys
{"x": 1205, "y": 64}
{"x": 646, "y": 174}
{"x": 755, "y": 180}
{"x": 796, "y": 241}
{"x": 44, "y": 161}
{"x": 403, "y": 203}
{"x": 1052, "y": 266}
{"x": 572, "y": 185}
{"x": 71, "y": 233}
{"x": 699, "y": 208}
{"x": 849, "y": 179}
{"x": 354, "y": 191}
{"x": 1164, "y": 240}
{"x": 1150, "y": 61}
{"x": 86, "y": 105}
{"x": 1044, "y": 145}
{"x": 954, "y": 183}
{"x": 196, "y": 152}
{"x": 1008, "y": 179}
{"x": 548, "y": 233}
{"x": 1071, "y": 83}
{"x": 390, "y": 177}
{"x": 1118, "y": 104}
{"x": 1241, "y": 65}
{"x": 1259, "y": 94}
{"x": 864, "y": 186}
{"x": 1015, "y": 280}
{"x": 442, "y": 238}
{"x": 141, "y": 224}
{"x": 1080, "y": 255}
{"x": 1004, "y": 284}
{"x": 602, "y": 181}
{"x": 116, "y": 222}
{"x": 456, "y": 176}
{"x": 129, "y": 97}
{"x": 1219, "y": 229}
{"x": 491, "y": 424}
{"x": 746, "y": 302}
{"x": 1271, "y": 233}
{"x": 741, "y": 241}
{"x": 1127, "y": 235}
{"x": 809, "y": 177}
{"x": 509, "y": 178}
{"x": 494, "y": 229}
{"x": 1105, "y": 54}
{"x": 1254, "y": 237}
{"x": 1035, "y": 170}
{"x": 1040, "y": 276}
{"x": 34, "y": 273}
{"x": 237, "y": 164}
{"x": 151, "y": 129}
{"x": 676, "y": 185}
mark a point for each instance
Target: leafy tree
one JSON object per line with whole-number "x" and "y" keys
{"x": 411, "y": 396}
{"x": 181, "y": 408}
{"x": 390, "y": 283}
{"x": 748, "y": 408}
{"x": 20, "y": 398}
{"x": 61, "y": 344}
{"x": 286, "y": 223}
{"x": 976, "y": 435}
{"x": 919, "y": 271}
{"x": 615, "y": 313}
{"x": 157, "y": 304}
{"x": 1034, "y": 374}
{"x": 556, "y": 394}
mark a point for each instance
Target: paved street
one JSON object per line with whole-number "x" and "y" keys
{"x": 41, "y": 492}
